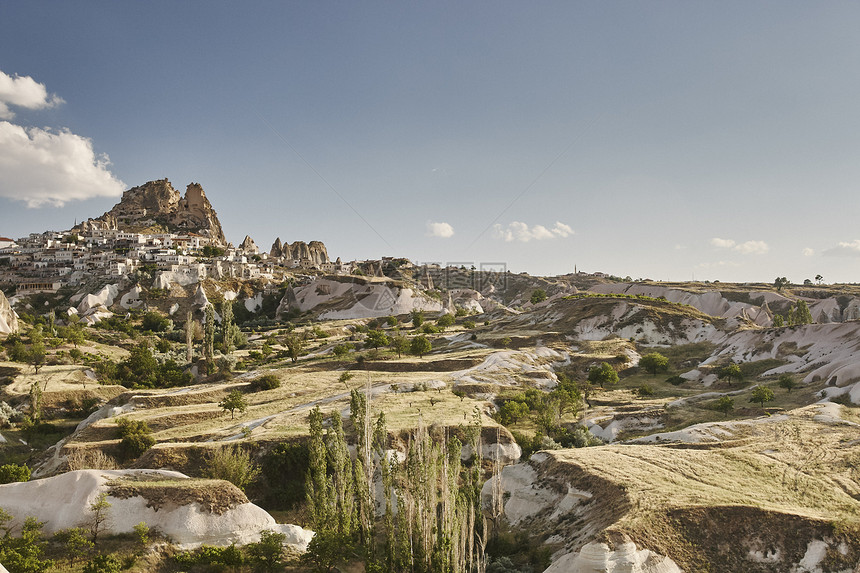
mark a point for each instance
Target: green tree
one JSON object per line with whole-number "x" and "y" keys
{"x": 801, "y": 313}
{"x": 75, "y": 543}
{"x": 295, "y": 346}
{"x": 103, "y": 563}
{"x": 235, "y": 400}
{"x": 399, "y": 344}
{"x": 420, "y": 345}
{"x": 761, "y": 394}
{"x": 98, "y": 516}
{"x": 417, "y": 318}
{"x": 787, "y": 382}
{"x": 375, "y": 339}
{"x": 227, "y": 327}
{"x": 154, "y": 321}
{"x": 819, "y": 278}
{"x": 725, "y": 405}
{"x": 445, "y": 321}
{"x": 23, "y": 554}
{"x": 267, "y": 553}
{"x": 75, "y": 335}
{"x": 36, "y": 356}
{"x": 603, "y": 375}
{"x": 538, "y": 295}
{"x": 778, "y": 321}
{"x": 209, "y": 336}
{"x": 654, "y": 362}
{"x": 136, "y": 437}
{"x": 780, "y": 283}
{"x": 731, "y": 372}
{"x": 326, "y": 552}
{"x": 512, "y": 411}
{"x": 341, "y": 350}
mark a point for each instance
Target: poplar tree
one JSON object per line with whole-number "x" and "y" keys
{"x": 209, "y": 336}
{"x": 189, "y": 337}
{"x": 227, "y": 326}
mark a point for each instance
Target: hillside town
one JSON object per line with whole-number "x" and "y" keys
{"x": 47, "y": 261}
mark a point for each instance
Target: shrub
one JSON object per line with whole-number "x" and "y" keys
{"x": 266, "y": 382}
{"x": 538, "y": 295}
{"x": 645, "y": 390}
{"x": 13, "y": 472}
{"x": 234, "y": 465}
{"x": 675, "y": 380}
{"x": 103, "y": 564}
{"x": 136, "y": 437}
{"x": 268, "y": 551}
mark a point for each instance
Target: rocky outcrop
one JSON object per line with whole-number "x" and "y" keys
{"x": 249, "y": 246}
{"x": 180, "y": 508}
{"x": 355, "y": 298}
{"x": 157, "y": 202}
{"x": 8, "y": 318}
{"x": 597, "y": 557}
{"x": 314, "y": 251}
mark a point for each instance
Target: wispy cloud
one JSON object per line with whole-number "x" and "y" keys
{"x": 519, "y": 231}
{"x": 746, "y": 248}
{"x": 442, "y": 229}
{"x": 849, "y": 249}
{"x": 23, "y": 92}
{"x": 808, "y": 252}
{"x": 717, "y": 265}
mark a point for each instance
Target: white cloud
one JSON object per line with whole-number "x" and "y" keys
{"x": 443, "y": 230}
{"x": 849, "y": 249}
{"x": 722, "y": 243}
{"x": 807, "y": 252}
{"x": 747, "y": 248}
{"x": 519, "y": 231}
{"x": 752, "y": 248}
{"x": 44, "y": 167}
{"x": 717, "y": 265}
{"x": 23, "y": 92}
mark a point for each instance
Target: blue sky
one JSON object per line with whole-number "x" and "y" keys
{"x": 668, "y": 140}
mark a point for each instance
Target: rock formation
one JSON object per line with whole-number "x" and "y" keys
{"x": 8, "y": 318}
{"x": 249, "y": 246}
{"x": 189, "y": 513}
{"x": 157, "y": 202}
{"x": 314, "y": 251}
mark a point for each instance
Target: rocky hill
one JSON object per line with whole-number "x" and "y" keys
{"x": 158, "y": 203}
{"x": 314, "y": 251}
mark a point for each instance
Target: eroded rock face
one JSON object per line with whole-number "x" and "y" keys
{"x": 314, "y": 251}
{"x": 600, "y": 558}
{"x": 8, "y": 318}
{"x": 63, "y": 501}
{"x": 249, "y": 246}
{"x": 158, "y": 201}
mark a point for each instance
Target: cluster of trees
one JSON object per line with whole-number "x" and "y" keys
{"x": 264, "y": 555}
{"x": 142, "y": 370}
{"x": 437, "y": 525}
{"x": 797, "y": 315}
{"x": 546, "y": 410}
